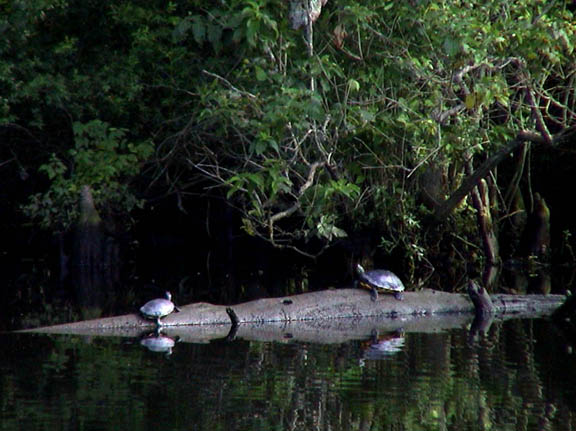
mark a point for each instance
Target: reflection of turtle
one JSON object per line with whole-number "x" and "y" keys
{"x": 383, "y": 346}
{"x": 158, "y": 343}
{"x": 158, "y": 308}
{"x": 380, "y": 280}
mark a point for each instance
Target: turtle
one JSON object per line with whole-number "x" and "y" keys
{"x": 158, "y": 308}
{"x": 380, "y": 280}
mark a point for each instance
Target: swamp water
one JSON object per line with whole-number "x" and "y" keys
{"x": 517, "y": 376}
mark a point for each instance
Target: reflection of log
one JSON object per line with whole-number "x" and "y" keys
{"x": 313, "y": 331}
{"x": 327, "y": 305}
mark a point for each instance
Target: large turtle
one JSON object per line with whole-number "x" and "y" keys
{"x": 158, "y": 308}
{"x": 380, "y": 280}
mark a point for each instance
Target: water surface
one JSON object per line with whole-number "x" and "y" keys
{"x": 517, "y": 376}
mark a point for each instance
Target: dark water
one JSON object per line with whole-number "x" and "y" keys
{"x": 517, "y": 376}
{"x": 340, "y": 375}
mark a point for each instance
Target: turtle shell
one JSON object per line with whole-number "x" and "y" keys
{"x": 380, "y": 280}
{"x": 158, "y": 308}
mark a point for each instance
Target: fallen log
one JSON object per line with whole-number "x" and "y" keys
{"x": 321, "y": 305}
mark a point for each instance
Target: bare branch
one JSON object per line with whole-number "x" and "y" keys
{"x": 229, "y": 84}
{"x": 441, "y": 117}
{"x": 537, "y": 116}
{"x": 288, "y": 212}
{"x": 310, "y": 179}
{"x": 303, "y": 188}
{"x": 284, "y": 214}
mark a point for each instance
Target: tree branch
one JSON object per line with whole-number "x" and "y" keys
{"x": 469, "y": 183}
{"x": 288, "y": 212}
{"x": 229, "y": 84}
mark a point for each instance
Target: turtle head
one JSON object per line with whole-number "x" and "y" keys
{"x": 168, "y": 296}
{"x": 359, "y": 269}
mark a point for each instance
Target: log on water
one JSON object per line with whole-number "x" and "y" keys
{"x": 322, "y": 305}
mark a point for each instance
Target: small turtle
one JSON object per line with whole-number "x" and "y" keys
{"x": 380, "y": 280}
{"x": 158, "y": 308}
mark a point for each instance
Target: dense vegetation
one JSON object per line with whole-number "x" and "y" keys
{"x": 366, "y": 119}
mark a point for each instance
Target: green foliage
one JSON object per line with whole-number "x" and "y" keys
{"x": 309, "y": 141}
{"x": 101, "y": 159}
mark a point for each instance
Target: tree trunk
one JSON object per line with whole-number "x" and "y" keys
{"x": 481, "y": 201}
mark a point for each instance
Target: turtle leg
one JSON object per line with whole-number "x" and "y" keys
{"x": 399, "y": 296}
{"x": 373, "y": 294}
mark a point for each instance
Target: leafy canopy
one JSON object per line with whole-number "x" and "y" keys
{"x": 310, "y": 135}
